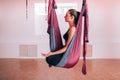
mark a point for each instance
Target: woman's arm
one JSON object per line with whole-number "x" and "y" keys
{"x": 62, "y": 50}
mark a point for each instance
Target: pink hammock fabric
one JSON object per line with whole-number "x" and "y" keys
{"x": 72, "y": 55}
{"x": 53, "y": 24}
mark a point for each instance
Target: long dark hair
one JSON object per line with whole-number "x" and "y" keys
{"x": 76, "y": 14}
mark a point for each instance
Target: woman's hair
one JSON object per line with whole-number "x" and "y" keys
{"x": 76, "y": 14}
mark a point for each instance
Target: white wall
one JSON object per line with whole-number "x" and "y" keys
{"x": 104, "y": 26}
{"x": 15, "y": 30}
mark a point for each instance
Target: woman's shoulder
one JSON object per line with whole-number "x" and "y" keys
{"x": 72, "y": 29}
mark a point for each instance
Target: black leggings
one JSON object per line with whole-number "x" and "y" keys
{"x": 54, "y": 59}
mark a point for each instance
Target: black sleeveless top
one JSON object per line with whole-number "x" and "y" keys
{"x": 65, "y": 36}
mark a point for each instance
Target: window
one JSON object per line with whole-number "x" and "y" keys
{"x": 41, "y": 11}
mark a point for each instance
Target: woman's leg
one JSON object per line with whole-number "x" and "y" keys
{"x": 54, "y": 59}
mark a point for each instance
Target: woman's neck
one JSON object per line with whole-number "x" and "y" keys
{"x": 71, "y": 24}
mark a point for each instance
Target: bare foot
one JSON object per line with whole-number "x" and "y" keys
{"x": 46, "y": 55}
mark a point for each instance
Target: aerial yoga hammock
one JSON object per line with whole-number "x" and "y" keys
{"x": 72, "y": 54}
{"x": 26, "y": 9}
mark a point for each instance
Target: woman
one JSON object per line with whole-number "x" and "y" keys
{"x": 71, "y": 17}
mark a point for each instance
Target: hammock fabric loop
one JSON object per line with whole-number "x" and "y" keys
{"x": 72, "y": 54}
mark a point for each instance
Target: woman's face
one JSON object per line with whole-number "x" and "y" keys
{"x": 68, "y": 17}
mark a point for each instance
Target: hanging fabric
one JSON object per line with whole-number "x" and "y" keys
{"x": 72, "y": 54}
{"x": 26, "y": 9}
{"x": 53, "y": 27}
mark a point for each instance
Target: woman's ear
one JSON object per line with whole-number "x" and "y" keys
{"x": 72, "y": 17}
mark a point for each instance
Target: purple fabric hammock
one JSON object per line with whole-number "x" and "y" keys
{"x": 72, "y": 54}
{"x": 53, "y": 27}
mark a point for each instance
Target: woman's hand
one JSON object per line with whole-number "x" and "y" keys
{"x": 47, "y": 54}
